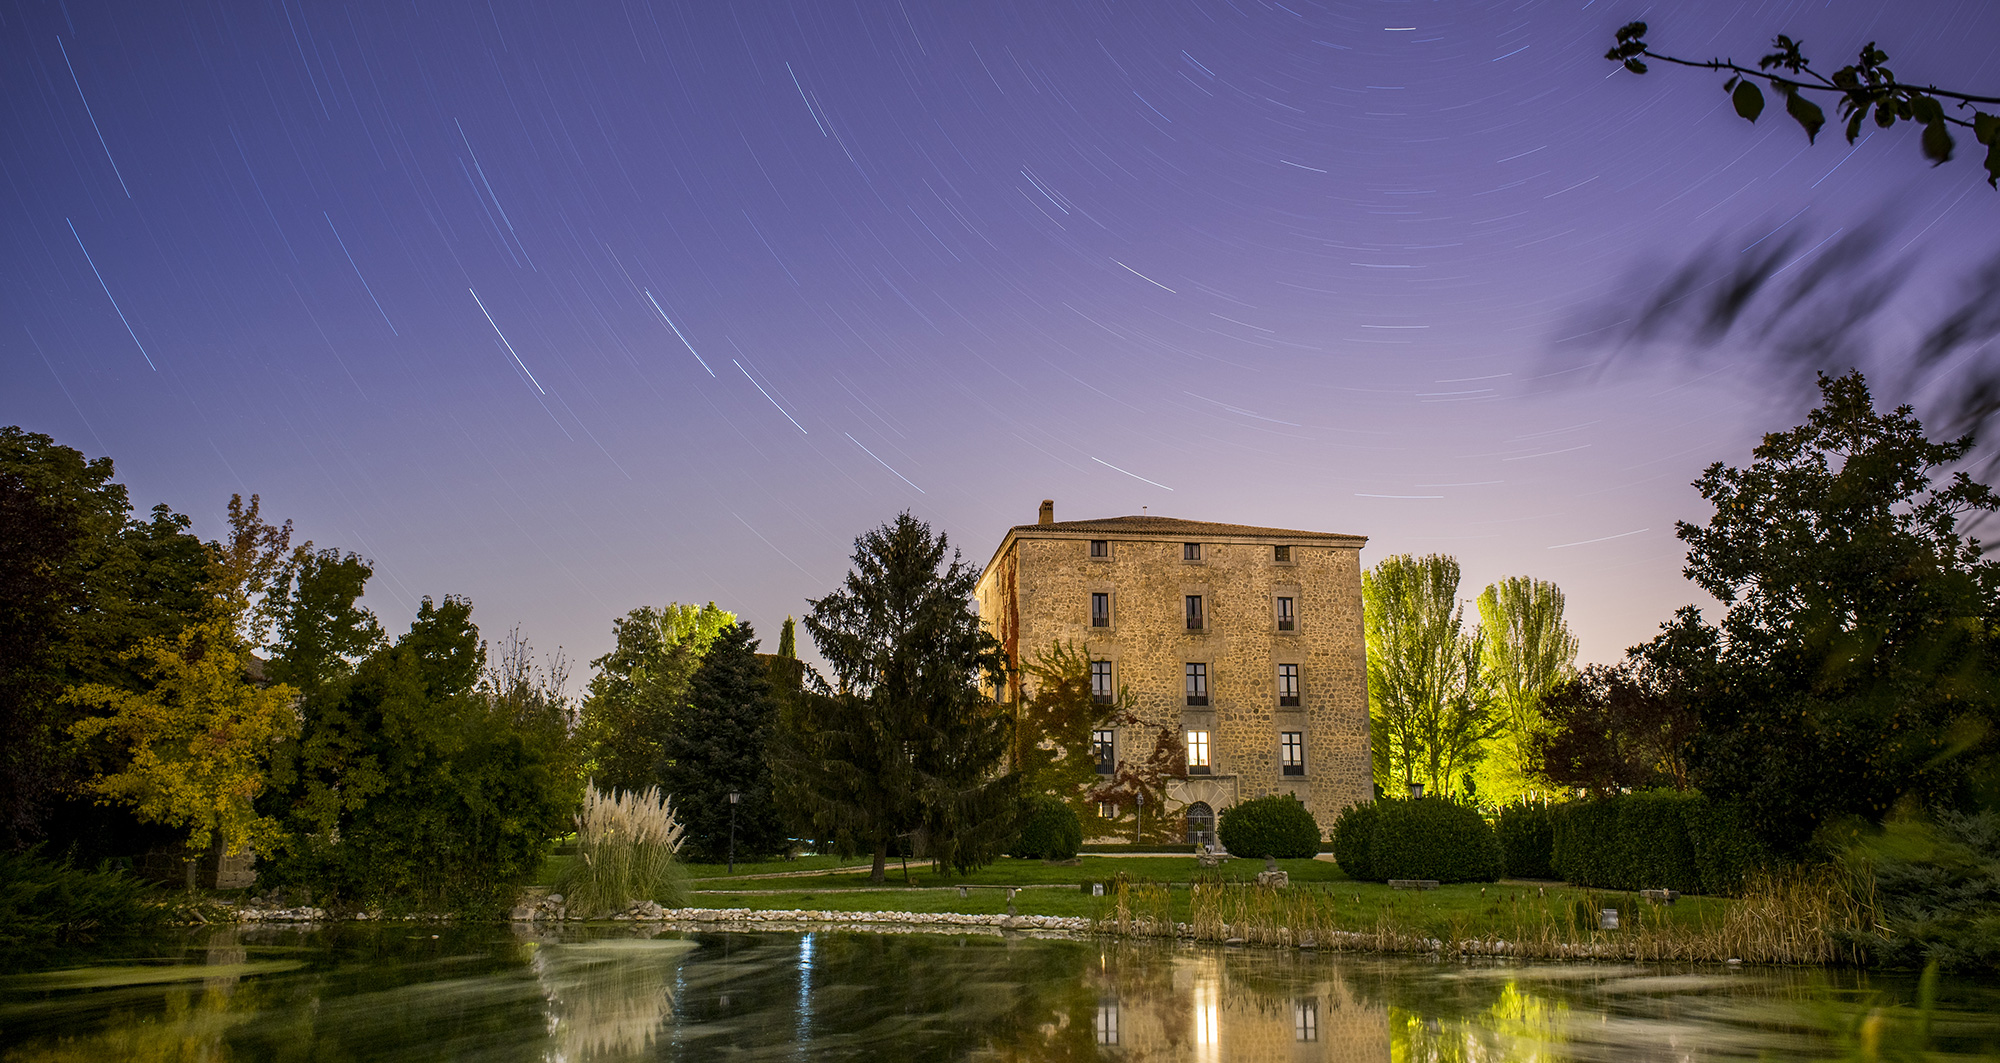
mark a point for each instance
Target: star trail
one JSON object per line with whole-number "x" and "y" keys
{"x": 1315, "y": 265}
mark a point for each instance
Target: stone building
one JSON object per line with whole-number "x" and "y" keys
{"x": 1247, "y": 640}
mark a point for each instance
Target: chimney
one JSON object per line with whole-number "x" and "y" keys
{"x": 1048, "y": 511}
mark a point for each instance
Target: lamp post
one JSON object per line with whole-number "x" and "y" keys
{"x": 735, "y": 798}
{"x": 1139, "y": 819}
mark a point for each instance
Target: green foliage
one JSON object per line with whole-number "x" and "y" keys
{"x": 1275, "y": 825}
{"x": 1529, "y": 649}
{"x": 1935, "y": 886}
{"x": 1052, "y": 747}
{"x": 81, "y": 583}
{"x": 788, "y": 640}
{"x": 1433, "y": 838}
{"x": 43, "y": 901}
{"x": 1616, "y": 727}
{"x": 1353, "y": 838}
{"x": 1653, "y": 840}
{"x": 718, "y": 745}
{"x": 1430, "y": 710}
{"x": 639, "y": 688}
{"x": 902, "y": 740}
{"x": 425, "y": 782}
{"x": 1856, "y": 663}
{"x": 625, "y": 852}
{"x": 1050, "y": 830}
{"x": 1527, "y": 840}
{"x": 1867, "y": 87}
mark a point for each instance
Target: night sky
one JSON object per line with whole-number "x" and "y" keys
{"x": 573, "y": 307}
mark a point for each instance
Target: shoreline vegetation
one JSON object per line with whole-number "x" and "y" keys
{"x": 1806, "y": 919}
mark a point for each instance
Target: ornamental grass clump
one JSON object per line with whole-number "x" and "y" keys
{"x": 625, "y": 846}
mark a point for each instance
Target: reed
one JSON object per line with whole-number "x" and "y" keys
{"x": 625, "y": 846}
{"x": 1799, "y": 917}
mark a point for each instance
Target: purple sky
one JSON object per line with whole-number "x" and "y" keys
{"x": 576, "y": 307}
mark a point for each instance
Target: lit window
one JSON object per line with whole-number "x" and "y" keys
{"x": 1288, "y": 685}
{"x": 1281, "y": 554}
{"x": 1107, "y": 810}
{"x": 1194, "y": 614}
{"x": 1292, "y": 752}
{"x": 1190, "y": 551}
{"x": 1100, "y": 548}
{"x": 1101, "y": 690}
{"x": 1105, "y": 745}
{"x": 1100, "y": 609}
{"x": 1287, "y": 616}
{"x": 1197, "y": 683}
{"x": 1305, "y": 1020}
{"x": 1197, "y": 752}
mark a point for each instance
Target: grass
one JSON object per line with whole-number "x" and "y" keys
{"x": 1008, "y": 871}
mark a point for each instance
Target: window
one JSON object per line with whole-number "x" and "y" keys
{"x": 1100, "y": 609}
{"x": 1107, "y": 1023}
{"x": 1190, "y": 551}
{"x": 1197, "y": 683}
{"x": 1292, "y": 752}
{"x": 1288, "y": 686}
{"x": 1105, "y": 744}
{"x": 1107, "y": 810}
{"x": 1194, "y": 615}
{"x": 1197, "y": 749}
{"x": 1305, "y": 1020}
{"x": 1281, "y": 554}
{"x": 1101, "y": 690}
{"x": 1200, "y": 824}
{"x": 1287, "y": 616}
{"x": 1100, "y": 548}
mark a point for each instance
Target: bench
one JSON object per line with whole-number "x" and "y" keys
{"x": 1413, "y": 883}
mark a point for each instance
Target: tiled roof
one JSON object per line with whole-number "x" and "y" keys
{"x": 1171, "y": 527}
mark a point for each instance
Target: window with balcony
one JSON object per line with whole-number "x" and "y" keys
{"x": 1288, "y": 617}
{"x": 1190, "y": 551}
{"x": 1288, "y": 686}
{"x": 1100, "y": 548}
{"x": 1104, "y": 743}
{"x": 1197, "y": 753}
{"x": 1281, "y": 554}
{"x": 1101, "y": 690}
{"x": 1100, "y": 609}
{"x": 1292, "y": 752}
{"x": 1197, "y": 683}
{"x": 1196, "y": 621}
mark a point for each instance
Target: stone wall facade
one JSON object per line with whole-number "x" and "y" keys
{"x": 1036, "y": 592}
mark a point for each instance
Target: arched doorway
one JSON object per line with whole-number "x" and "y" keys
{"x": 1200, "y": 824}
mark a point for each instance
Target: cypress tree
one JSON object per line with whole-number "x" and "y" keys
{"x": 717, "y": 746}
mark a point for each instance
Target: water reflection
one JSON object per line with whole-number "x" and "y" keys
{"x": 582, "y": 996}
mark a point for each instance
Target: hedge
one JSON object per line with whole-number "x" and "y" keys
{"x": 1527, "y": 840}
{"x": 1432, "y": 838}
{"x": 1275, "y": 825}
{"x": 1050, "y": 830}
{"x": 1353, "y": 833}
{"x": 1654, "y": 840}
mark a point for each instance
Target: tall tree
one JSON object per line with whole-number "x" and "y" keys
{"x": 1856, "y": 663}
{"x": 1529, "y": 649}
{"x": 1614, "y": 728}
{"x": 200, "y": 733}
{"x": 788, "y": 640}
{"x": 1430, "y": 710}
{"x": 902, "y": 741}
{"x": 719, "y": 745}
{"x": 640, "y": 686}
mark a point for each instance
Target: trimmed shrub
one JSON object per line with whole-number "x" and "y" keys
{"x": 1275, "y": 825}
{"x": 1433, "y": 838}
{"x": 1353, "y": 835}
{"x": 1654, "y": 840}
{"x": 1050, "y": 830}
{"x": 1527, "y": 840}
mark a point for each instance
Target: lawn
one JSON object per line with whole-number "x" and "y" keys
{"x": 1008, "y": 871}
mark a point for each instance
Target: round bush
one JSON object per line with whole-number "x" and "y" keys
{"x": 1433, "y": 838}
{"x": 1050, "y": 830}
{"x": 1275, "y": 825}
{"x": 1353, "y": 836}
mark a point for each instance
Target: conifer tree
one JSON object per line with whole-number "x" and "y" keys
{"x": 718, "y": 746}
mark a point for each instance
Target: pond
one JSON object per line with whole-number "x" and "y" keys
{"x": 403, "y": 992}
